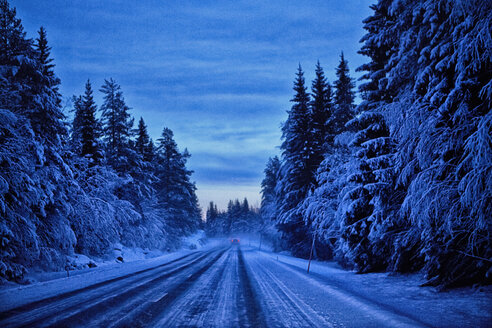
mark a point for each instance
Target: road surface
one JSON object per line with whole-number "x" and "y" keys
{"x": 230, "y": 286}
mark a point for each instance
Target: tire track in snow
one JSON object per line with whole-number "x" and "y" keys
{"x": 284, "y": 308}
{"x": 37, "y": 304}
{"x": 132, "y": 307}
{"x": 385, "y": 317}
{"x": 223, "y": 311}
{"x": 247, "y": 299}
{"x": 150, "y": 310}
{"x": 37, "y": 312}
{"x": 80, "y": 312}
{"x": 192, "y": 307}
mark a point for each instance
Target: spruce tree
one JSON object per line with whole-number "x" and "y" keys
{"x": 296, "y": 175}
{"x": 268, "y": 186}
{"x": 343, "y": 107}
{"x": 175, "y": 192}
{"x": 36, "y": 198}
{"x": 368, "y": 219}
{"x": 43, "y": 51}
{"x": 321, "y": 108}
{"x": 76, "y": 126}
{"x": 212, "y": 212}
{"x": 365, "y": 222}
{"x": 116, "y": 127}
{"x": 245, "y": 206}
{"x": 16, "y": 60}
{"x": 89, "y": 127}
{"x": 442, "y": 80}
{"x": 149, "y": 151}
{"x": 46, "y": 116}
{"x": 143, "y": 140}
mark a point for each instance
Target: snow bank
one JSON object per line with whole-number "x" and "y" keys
{"x": 47, "y": 284}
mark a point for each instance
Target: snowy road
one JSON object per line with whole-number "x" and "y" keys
{"x": 220, "y": 287}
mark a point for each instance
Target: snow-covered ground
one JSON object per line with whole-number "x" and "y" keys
{"x": 221, "y": 285}
{"x": 382, "y": 297}
{"x": 47, "y": 284}
{"x": 81, "y": 264}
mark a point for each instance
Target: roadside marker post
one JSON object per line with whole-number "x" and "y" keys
{"x": 311, "y": 254}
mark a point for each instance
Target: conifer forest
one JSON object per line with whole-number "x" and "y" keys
{"x": 384, "y": 167}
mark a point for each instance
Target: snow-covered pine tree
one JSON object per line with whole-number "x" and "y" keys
{"x": 234, "y": 214}
{"x": 150, "y": 151}
{"x": 16, "y": 53}
{"x": 116, "y": 127}
{"x": 296, "y": 175}
{"x": 89, "y": 128}
{"x": 43, "y": 52}
{"x": 143, "y": 139}
{"x": 343, "y": 102}
{"x": 46, "y": 116}
{"x": 268, "y": 209}
{"x": 321, "y": 107}
{"x": 175, "y": 192}
{"x": 35, "y": 180}
{"x": 368, "y": 214}
{"x": 268, "y": 185}
{"x": 243, "y": 222}
{"x": 141, "y": 168}
{"x": 320, "y": 207}
{"x": 443, "y": 70}
{"x": 211, "y": 220}
{"x": 364, "y": 241}
{"x": 168, "y": 160}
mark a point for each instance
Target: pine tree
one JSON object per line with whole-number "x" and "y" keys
{"x": 28, "y": 85}
{"x": 142, "y": 168}
{"x": 149, "y": 151}
{"x": 175, "y": 192}
{"x": 89, "y": 127}
{"x": 76, "y": 126}
{"x": 16, "y": 56}
{"x": 213, "y": 218}
{"x": 46, "y": 116}
{"x": 321, "y": 108}
{"x": 167, "y": 166}
{"x": 268, "y": 186}
{"x": 13, "y": 41}
{"x": 296, "y": 174}
{"x": 442, "y": 71}
{"x": 367, "y": 220}
{"x": 212, "y": 213}
{"x": 245, "y": 206}
{"x": 343, "y": 109}
{"x": 143, "y": 140}
{"x": 269, "y": 201}
{"x": 116, "y": 127}
{"x": 36, "y": 189}
{"x": 44, "y": 54}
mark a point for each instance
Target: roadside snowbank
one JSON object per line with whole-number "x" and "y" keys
{"x": 47, "y": 284}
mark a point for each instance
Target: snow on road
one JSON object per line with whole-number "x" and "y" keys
{"x": 237, "y": 287}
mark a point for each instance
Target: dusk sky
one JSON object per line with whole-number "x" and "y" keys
{"x": 218, "y": 73}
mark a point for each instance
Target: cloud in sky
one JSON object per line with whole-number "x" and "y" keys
{"x": 218, "y": 73}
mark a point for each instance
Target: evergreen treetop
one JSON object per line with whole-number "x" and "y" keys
{"x": 89, "y": 126}
{"x": 344, "y": 97}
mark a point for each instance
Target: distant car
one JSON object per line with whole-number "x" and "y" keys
{"x": 235, "y": 241}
